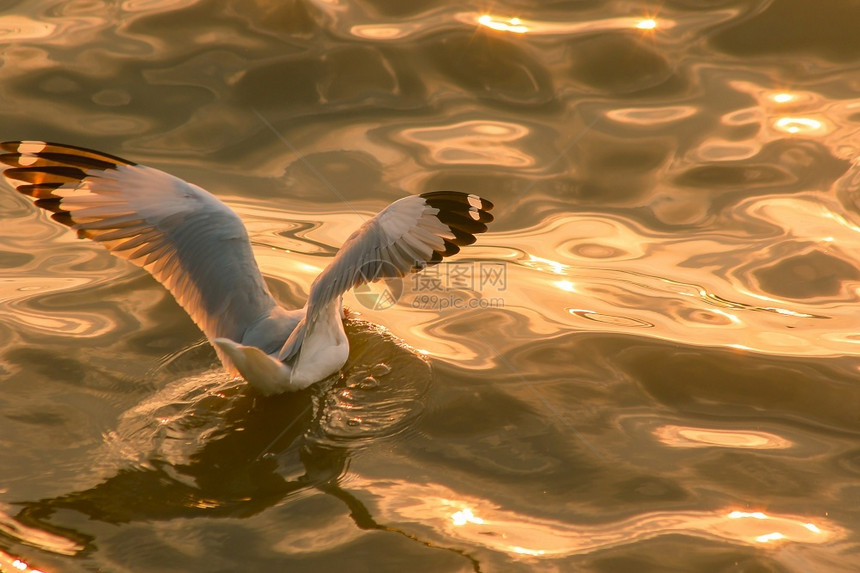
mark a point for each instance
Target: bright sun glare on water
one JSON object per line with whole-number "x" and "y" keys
{"x": 514, "y": 25}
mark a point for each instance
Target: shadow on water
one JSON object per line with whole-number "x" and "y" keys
{"x": 203, "y": 447}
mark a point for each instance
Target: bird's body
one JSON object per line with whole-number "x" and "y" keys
{"x": 198, "y": 248}
{"x": 322, "y": 353}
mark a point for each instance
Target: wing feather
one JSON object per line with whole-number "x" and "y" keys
{"x": 406, "y": 236}
{"x": 186, "y": 238}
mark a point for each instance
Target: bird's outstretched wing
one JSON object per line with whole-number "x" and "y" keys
{"x": 191, "y": 242}
{"x": 406, "y": 236}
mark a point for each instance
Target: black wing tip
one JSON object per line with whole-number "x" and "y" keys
{"x": 461, "y": 211}
{"x": 449, "y": 250}
{"x": 465, "y": 215}
{"x": 45, "y": 174}
{"x": 458, "y": 197}
{"x": 36, "y": 168}
{"x": 39, "y": 190}
{"x": 59, "y": 151}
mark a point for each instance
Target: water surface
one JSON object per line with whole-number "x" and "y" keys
{"x": 648, "y": 364}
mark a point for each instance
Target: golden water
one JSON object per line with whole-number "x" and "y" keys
{"x": 662, "y": 374}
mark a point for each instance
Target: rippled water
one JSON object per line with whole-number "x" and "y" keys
{"x": 649, "y": 363}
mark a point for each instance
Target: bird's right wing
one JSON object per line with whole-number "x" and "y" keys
{"x": 406, "y": 236}
{"x": 191, "y": 242}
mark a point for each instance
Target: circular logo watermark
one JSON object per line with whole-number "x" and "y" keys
{"x": 381, "y": 288}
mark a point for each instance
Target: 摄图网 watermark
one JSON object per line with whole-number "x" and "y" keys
{"x": 448, "y": 285}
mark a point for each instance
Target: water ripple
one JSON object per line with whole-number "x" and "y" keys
{"x": 671, "y": 323}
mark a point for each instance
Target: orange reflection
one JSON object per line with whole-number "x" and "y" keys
{"x": 15, "y": 564}
{"x": 690, "y": 437}
{"x": 465, "y": 516}
{"x": 785, "y": 97}
{"x": 14, "y": 27}
{"x": 611, "y": 319}
{"x": 482, "y": 522}
{"x": 514, "y": 25}
{"x": 796, "y": 112}
{"x": 473, "y": 142}
{"x": 732, "y": 318}
{"x": 80, "y": 324}
{"x": 645, "y": 116}
{"x": 524, "y": 551}
{"x": 545, "y": 265}
{"x": 652, "y": 286}
{"x": 402, "y": 29}
{"x": 389, "y": 31}
{"x": 804, "y": 125}
{"x": 785, "y": 529}
{"x": 35, "y": 537}
{"x": 560, "y": 27}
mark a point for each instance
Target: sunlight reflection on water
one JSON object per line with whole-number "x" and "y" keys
{"x": 670, "y": 362}
{"x": 688, "y": 437}
{"x": 481, "y": 522}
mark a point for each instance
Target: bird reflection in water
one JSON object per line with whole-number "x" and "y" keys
{"x": 246, "y": 452}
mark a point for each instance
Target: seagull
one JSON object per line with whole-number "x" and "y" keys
{"x": 198, "y": 248}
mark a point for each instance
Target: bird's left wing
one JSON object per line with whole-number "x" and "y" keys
{"x": 186, "y": 238}
{"x": 406, "y": 236}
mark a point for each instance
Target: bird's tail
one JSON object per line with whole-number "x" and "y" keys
{"x": 318, "y": 346}
{"x": 263, "y": 372}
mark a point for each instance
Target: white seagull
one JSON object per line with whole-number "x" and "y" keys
{"x": 198, "y": 248}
